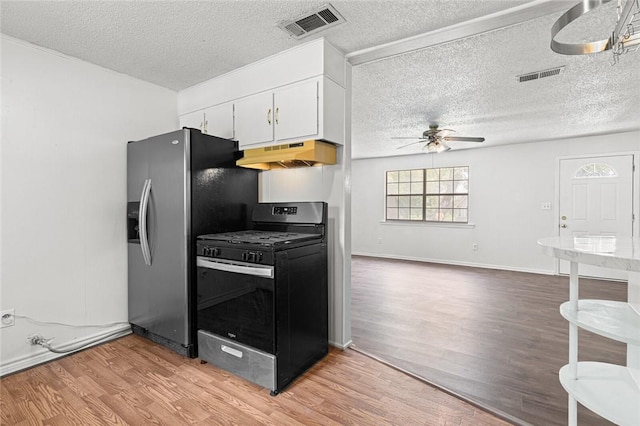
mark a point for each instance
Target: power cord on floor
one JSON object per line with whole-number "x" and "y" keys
{"x": 46, "y": 343}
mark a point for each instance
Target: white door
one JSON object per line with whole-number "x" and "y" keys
{"x": 254, "y": 119}
{"x": 296, "y": 114}
{"x": 219, "y": 120}
{"x": 596, "y": 198}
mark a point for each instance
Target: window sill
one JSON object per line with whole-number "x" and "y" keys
{"x": 428, "y": 224}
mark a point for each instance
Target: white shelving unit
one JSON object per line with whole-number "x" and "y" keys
{"x": 611, "y": 391}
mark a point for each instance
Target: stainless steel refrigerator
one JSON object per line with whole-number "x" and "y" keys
{"x": 179, "y": 185}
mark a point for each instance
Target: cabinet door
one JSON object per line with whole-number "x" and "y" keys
{"x": 254, "y": 119}
{"x": 194, "y": 120}
{"x": 218, "y": 121}
{"x": 296, "y": 110}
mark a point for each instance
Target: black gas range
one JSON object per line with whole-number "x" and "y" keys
{"x": 262, "y": 294}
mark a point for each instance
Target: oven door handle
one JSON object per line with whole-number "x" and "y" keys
{"x": 238, "y": 268}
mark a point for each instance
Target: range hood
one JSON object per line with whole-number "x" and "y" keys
{"x": 299, "y": 154}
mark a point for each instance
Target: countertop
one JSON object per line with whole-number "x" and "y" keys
{"x": 607, "y": 252}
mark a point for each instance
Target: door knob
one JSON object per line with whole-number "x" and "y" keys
{"x": 564, "y": 225}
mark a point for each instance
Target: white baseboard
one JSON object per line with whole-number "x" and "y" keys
{"x": 340, "y": 345}
{"x": 456, "y": 263}
{"x": 44, "y": 355}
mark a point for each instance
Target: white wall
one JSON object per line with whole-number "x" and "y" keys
{"x": 507, "y": 186}
{"x": 65, "y": 124}
{"x": 326, "y": 183}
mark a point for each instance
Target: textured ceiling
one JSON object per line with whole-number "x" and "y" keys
{"x": 471, "y": 86}
{"x": 468, "y": 85}
{"x": 177, "y": 44}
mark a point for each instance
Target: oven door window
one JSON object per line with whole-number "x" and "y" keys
{"x": 237, "y": 305}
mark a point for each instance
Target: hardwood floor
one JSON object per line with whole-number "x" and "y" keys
{"x": 494, "y": 337}
{"x": 131, "y": 381}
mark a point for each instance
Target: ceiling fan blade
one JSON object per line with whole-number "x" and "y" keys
{"x": 407, "y": 137}
{"x": 412, "y": 143}
{"x": 462, "y": 139}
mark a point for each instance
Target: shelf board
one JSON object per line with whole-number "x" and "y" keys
{"x": 606, "y": 389}
{"x": 614, "y": 320}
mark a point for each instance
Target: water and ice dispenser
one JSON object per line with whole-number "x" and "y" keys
{"x": 133, "y": 227}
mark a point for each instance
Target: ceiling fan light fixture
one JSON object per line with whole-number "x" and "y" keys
{"x": 435, "y": 139}
{"x": 436, "y": 147}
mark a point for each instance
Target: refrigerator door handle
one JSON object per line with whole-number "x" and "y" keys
{"x": 142, "y": 214}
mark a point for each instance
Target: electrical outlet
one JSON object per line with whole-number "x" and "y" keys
{"x": 474, "y": 246}
{"x": 545, "y": 206}
{"x": 7, "y": 318}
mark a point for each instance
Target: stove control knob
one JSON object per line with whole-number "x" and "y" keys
{"x": 252, "y": 256}
{"x": 211, "y": 251}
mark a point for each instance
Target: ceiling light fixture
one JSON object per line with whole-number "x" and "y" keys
{"x": 625, "y": 35}
{"x": 437, "y": 147}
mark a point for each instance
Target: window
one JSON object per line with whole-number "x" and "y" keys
{"x": 430, "y": 195}
{"x": 405, "y": 195}
{"x": 595, "y": 170}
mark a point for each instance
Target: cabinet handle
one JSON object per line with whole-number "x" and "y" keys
{"x": 269, "y": 116}
{"x": 277, "y": 114}
{"x": 206, "y": 123}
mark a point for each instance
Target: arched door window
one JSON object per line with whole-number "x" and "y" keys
{"x": 595, "y": 170}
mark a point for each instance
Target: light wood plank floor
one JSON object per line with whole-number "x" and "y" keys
{"x": 495, "y": 337}
{"x": 131, "y": 381}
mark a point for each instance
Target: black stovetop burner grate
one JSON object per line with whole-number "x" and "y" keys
{"x": 266, "y": 238}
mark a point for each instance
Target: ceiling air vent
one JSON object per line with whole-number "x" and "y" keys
{"x": 540, "y": 74}
{"x": 320, "y": 19}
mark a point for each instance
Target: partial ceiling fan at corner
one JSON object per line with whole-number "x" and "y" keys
{"x": 436, "y": 139}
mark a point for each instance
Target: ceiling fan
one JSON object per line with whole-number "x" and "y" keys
{"x": 436, "y": 139}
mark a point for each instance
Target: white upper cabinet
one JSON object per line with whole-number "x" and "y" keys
{"x": 254, "y": 119}
{"x": 296, "y": 111}
{"x": 311, "y": 109}
{"x": 287, "y": 113}
{"x": 216, "y": 120}
{"x": 293, "y": 96}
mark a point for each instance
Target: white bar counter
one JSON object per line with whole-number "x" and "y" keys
{"x": 611, "y": 391}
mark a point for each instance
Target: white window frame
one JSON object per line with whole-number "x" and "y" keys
{"x": 454, "y": 188}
